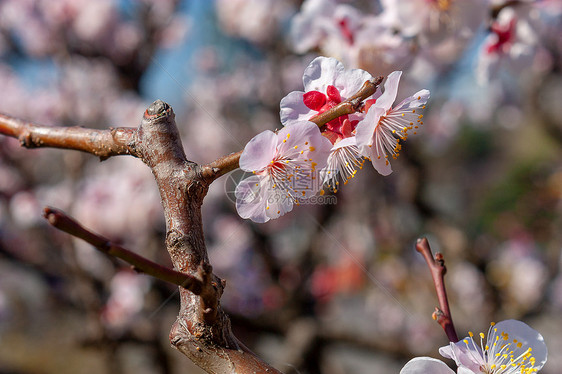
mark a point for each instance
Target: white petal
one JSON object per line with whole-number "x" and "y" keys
{"x": 426, "y": 365}
{"x": 366, "y": 129}
{"x": 387, "y": 98}
{"x": 278, "y": 203}
{"x": 259, "y": 151}
{"x": 529, "y": 338}
{"x": 250, "y": 199}
{"x": 350, "y": 81}
{"x": 417, "y": 100}
{"x": 320, "y": 73}
{"x": 382, "y": 165}
{"x": 467, "y": 356}
{"x": 293, "y": 108}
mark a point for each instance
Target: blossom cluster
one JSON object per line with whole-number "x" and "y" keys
{"x": 426, "y": 34}
{"x": 300, "y": 159}
{"x": 511, "y": 347}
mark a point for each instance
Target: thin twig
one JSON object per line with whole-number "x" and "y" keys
{"x": 354, "y": 104}
{"x": 437, "y": 268}
{"x": 65, "y": 223}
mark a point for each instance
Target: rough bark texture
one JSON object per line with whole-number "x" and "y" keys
{"x": 202, "y": 330}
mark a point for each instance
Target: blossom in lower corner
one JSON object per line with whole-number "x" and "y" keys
{"x": 379, "y": 133}
{"x": 511, "y": 347}
{"x": 285, "y": 167}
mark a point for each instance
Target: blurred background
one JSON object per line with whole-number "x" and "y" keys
{"x": 331, "y": 288}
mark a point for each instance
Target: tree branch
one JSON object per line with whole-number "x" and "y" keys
{"x": 65, "y": 223}
{"x": 437, "y": 268}
{"x": 101, "y": 143}
{"x": 354, "y": 104}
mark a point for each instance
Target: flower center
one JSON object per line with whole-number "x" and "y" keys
{"x": 341, "y": 127}
{"x": 504, "y": 33}
{"x": 501, "y": 354}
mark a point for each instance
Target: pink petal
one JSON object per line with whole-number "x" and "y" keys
{"x": 259, "y": 151}
{"x": 293, "y": 108}
{"x": 388, "y": 97}
{"x": 278, "y": 203}
{"x": 250, "y": 199}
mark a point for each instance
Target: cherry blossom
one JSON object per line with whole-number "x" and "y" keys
{"x": 326, "y": 25}
{"x": 326, "y": 84}
{"x": 435, "y": 19}
{"x": 512, "y": 41}
{"x": 285, "y": 168}
{"x": 511, "y": 347}
{"x": 379, "y": 133}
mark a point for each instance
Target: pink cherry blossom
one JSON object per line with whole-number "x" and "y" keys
{"x": 285, "y": 168}
{"x": 326, "y": 84}
{"x": 379, "y": 133}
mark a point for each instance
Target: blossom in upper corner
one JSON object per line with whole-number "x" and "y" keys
{"x": 285, "y": 166}
{"x": 512, "y": 347}
{"x": 326, "y": 84}
{"x": 379, "y": 133}
{"x": 326, "y": 25}
{"x": 512, "y": 41}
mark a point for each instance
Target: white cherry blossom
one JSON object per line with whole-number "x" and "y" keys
{"x": 326, "y": 84}
{"x": 285, "y": 167}
{"x": 384, "y": 126}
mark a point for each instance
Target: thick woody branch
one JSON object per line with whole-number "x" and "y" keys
{"x": 202, "y": 330}
{"x": 352, "y": 105}
{"x": 102, "y": 143}
{"x": 65, "y": 223}
{"x": 437, "y": 268}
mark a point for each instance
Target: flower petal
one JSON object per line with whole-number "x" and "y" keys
{"x": 250, "y": 199}
{"x": 426, "y": 365}
{"x": 471, "y": 358}
{"x": 305, "y": 136}
{"x": 528, "y": 337}
{"x": 350, "y": 81}
{"x": 382, "y": 165}
{"x": 293, "y": 108}
{"x": 278, "y": 202}
{"x": 259, "y": 151}
{"x": 415, "y": 101}
{"x": 320, "y": 73}
{"x": 388, "y": 97}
